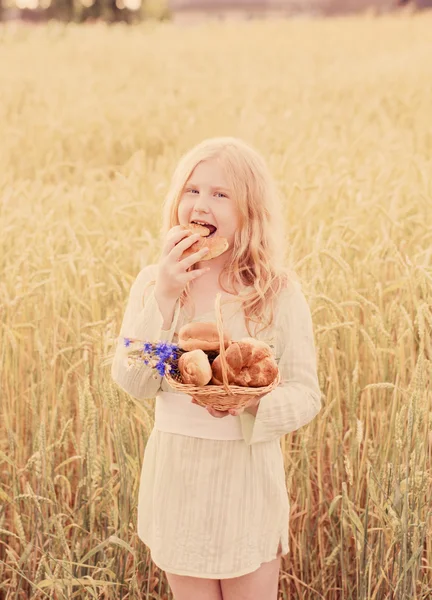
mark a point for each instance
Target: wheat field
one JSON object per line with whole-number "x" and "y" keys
{"x": 93, "y": 120}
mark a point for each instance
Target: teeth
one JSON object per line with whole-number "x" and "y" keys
{"x": 211, "y": 228}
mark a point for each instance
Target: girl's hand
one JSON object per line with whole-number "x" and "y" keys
{"x": 254, "y": 403}
{"x": 173, "y": 274}
{"x": 219, "y": 414}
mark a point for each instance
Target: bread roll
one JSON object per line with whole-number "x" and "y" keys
{"x": 203, "y": 336}
{"x": 250, "y": 363}
{"x": 196, "y": 228}
{"x": 195, "y": 367}
{"x": 217, "y": 245}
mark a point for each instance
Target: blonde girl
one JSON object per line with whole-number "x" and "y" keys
{"x": 213, "y": 506}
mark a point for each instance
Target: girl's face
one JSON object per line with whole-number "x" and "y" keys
{"x": 207, "y": 197}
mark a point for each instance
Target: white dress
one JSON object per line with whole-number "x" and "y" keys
{"x": 217, "y": 508}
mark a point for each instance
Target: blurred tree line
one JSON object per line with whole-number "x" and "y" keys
{"x": 79, "y": 11}
{"x": 128, "y": 11}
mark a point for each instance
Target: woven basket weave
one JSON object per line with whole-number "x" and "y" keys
{"x": 225, "y": 396}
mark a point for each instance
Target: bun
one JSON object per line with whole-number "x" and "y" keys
{"x": 217, "y": 245}
{"x": 250, "y": 364}
{"x": 203, "y": 336}
{"x": 196, "y": 228}
{"x": 195, "y": 367}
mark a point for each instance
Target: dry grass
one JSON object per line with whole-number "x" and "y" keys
{"x": 93, "y": 120}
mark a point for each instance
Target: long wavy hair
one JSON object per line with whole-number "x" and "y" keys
{"x": 258, "y": 259}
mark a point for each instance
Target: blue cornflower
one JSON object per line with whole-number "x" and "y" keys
{"x": 127, "y": 342}
{"x": 164, "y": 353}
{"x": 164, "y": 350}
{"x": 160, "y": 366}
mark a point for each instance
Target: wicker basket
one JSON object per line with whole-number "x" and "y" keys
{"x": 225, "y": 396}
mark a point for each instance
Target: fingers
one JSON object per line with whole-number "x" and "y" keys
{"x": 182, "y": 245}
{"x": 187, "y": 262}
{"x": 219, "y": 414}
{"x": 194, "y": 274}
{"x": 235, "y": 412}
{"x": 175, "y": 235}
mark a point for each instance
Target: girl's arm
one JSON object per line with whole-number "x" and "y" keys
{"x": 297, "y": 399}
{"x": 143, "y": 323}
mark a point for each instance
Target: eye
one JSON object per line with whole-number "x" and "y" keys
{"x": 222, "y": 194}
{"x": 191, "y": 190}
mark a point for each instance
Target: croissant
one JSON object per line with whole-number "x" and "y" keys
{"x": 195, "y": 367}
{"x": 250, "y": 363}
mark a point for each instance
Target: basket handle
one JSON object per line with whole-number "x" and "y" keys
{"x": 222, "y": 344}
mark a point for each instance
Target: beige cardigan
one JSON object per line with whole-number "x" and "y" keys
{"x": 293, "y": 404}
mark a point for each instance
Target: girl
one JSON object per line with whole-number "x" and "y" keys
{"x": 213, "y": 505}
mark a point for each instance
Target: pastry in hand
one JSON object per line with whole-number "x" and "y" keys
{"x": 250, "y": 363}
{"x": 216, "y": 244}
{"x": 195, "y": 367}
{"x": 203, "y": 336}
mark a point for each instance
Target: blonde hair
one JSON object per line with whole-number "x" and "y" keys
{"x": 258, "y": 258}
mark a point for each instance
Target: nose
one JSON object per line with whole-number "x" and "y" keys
{"x": 201, "y": 202}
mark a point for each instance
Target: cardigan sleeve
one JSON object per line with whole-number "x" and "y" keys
{"x": 297, "y": 399}
{"x": 142, "y": 320}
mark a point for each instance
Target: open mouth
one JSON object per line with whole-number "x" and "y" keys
{"x": 211, "y": 228}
